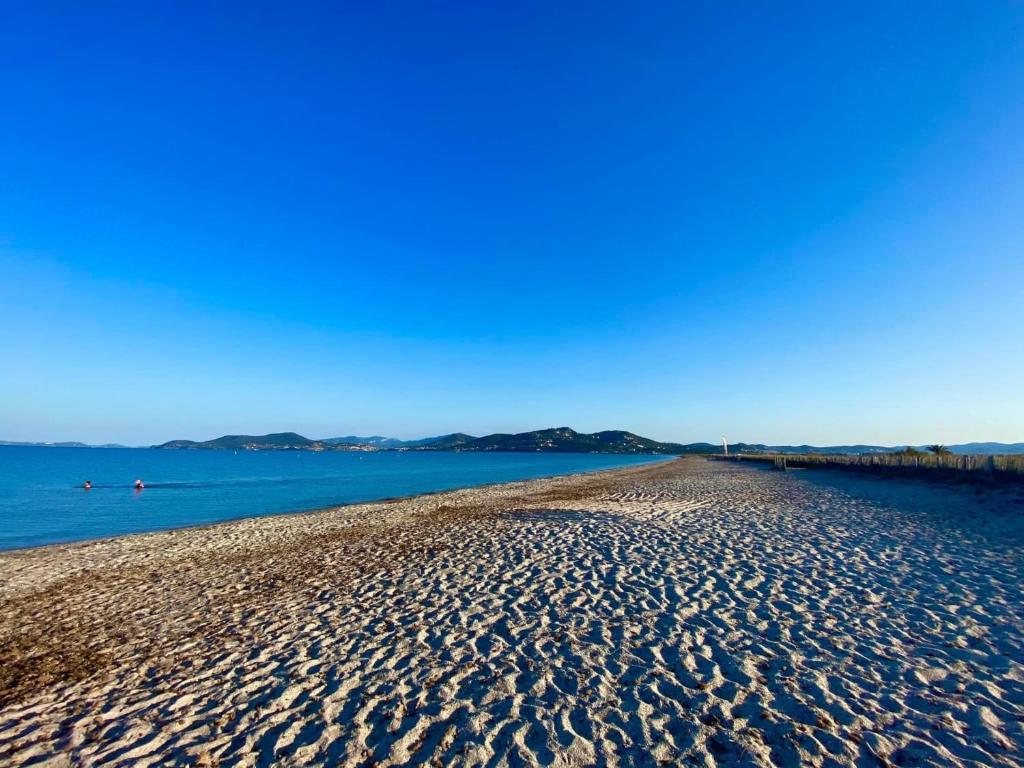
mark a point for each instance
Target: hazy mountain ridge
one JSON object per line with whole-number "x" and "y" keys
{"x": 65, "y": 444}
{"x": 285, "y": 441}
{"x": 378, "y": 441}
{"x": 562, "y": 439}
{"x": 981, "y": 449}
{"x": 762, "y": 448}
{"x": 375, "y": 440}
{"x": 988, "y": 448}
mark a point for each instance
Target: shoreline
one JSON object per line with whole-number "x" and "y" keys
{"x": 674, "y": 612}
{"x": 657, "y": 459}
{"x": 143, "y": 537}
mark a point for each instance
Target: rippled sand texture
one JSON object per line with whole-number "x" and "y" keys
{"x": 690, "y": 613}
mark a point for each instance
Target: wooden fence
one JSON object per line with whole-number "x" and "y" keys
{"x": 966, "y": 467}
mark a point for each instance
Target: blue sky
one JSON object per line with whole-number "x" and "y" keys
{"x": 796, "y": 224}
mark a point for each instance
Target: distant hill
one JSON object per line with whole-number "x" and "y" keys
{"x": 981, "y": 449}
{"x": 989, "y": 448}
{"x": 757, "y": 448}
{"x": 277, "y": 441}
{"x": 439, "y": 443}
{"x": 179, "y": 444}
{"x": 560, "y": 440}
{"x": 69, "y": 444}
{"x": 375, "y": 440}
{"x": 48, "y": 445}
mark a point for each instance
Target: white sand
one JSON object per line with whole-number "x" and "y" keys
{"x": 693, "y": 613}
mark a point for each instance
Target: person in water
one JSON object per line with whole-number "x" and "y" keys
{"x": 88, "y": 485}
{"x": 138, "y": 485}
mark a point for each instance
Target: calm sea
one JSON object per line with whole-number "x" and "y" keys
{"x": 42, "y": 500}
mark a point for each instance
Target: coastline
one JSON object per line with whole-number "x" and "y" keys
{"x": 281, "y": 522}
{"x": 676, "y": 611}
{"x": 655, "y": 459}
{"x": 195, "y": 488}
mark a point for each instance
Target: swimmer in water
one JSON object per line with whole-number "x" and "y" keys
{"x": 88, "y": 485}
{"x": 138, "y": 485}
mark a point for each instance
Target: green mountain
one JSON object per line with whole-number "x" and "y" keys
{"x": 439, "y": 443}
{"x": 562, "y": 440}
{"x": 277, "y": 441}
{"x": 177, "y": 445}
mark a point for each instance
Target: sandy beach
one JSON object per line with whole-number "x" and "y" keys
{"x": 691, "y": 612}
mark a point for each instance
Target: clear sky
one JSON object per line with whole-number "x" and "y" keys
{"x": 801, "y": 223}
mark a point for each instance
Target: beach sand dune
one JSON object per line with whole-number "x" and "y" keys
{"x": 692, "y": 612}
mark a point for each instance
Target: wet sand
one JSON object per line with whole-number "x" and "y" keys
{"x": 684, "y": 613}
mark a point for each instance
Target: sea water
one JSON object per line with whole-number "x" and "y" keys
{"x": 42, "y": 500}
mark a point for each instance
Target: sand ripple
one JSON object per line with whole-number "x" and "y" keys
{"x": 696, "y": 613}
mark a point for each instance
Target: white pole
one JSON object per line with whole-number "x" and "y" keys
{"x": 725, "y": 446}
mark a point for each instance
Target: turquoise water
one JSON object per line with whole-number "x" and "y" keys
{"x": 42, "y": 500}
